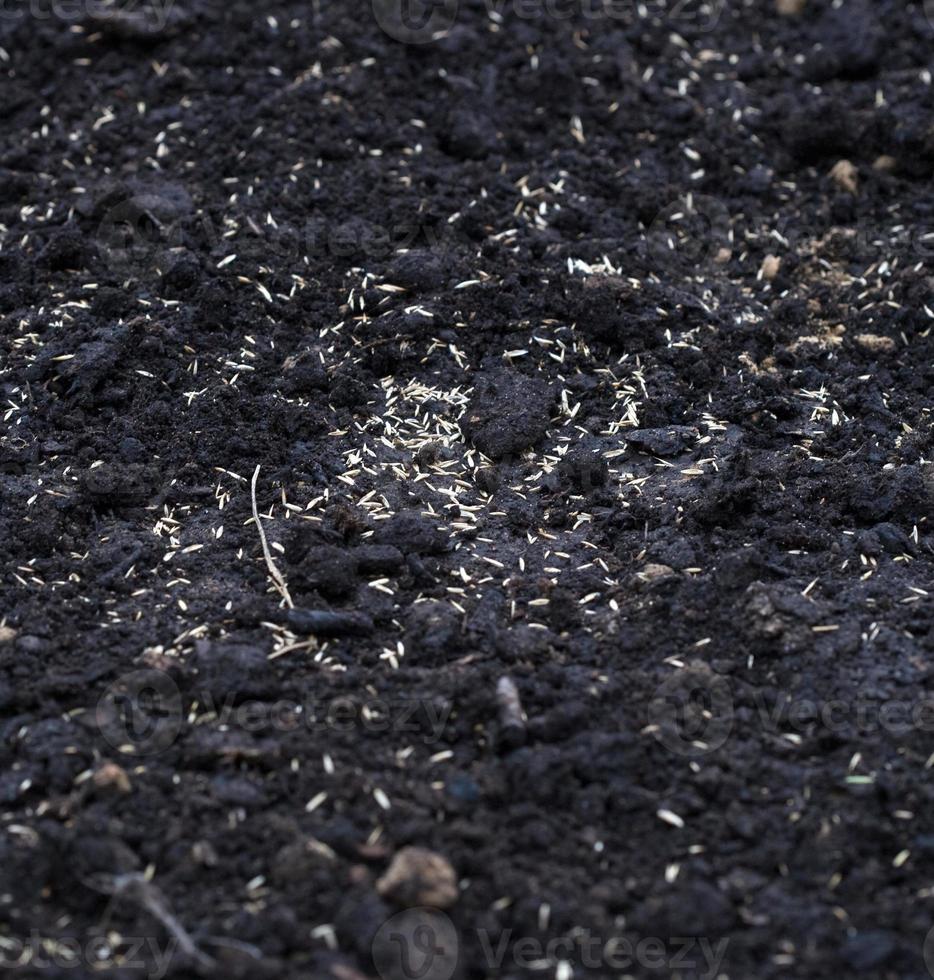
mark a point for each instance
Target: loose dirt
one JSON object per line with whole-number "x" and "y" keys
{"x": 587, "y": 364}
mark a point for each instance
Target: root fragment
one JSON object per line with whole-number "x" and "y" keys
{"x": 274, "y": 572}
{"x": 511, "y": 716}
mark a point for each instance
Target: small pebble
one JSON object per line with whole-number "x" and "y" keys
{"x": 418, "y": 876}
{"x": 771, "y": 266}
{"x": 844, "y": 175}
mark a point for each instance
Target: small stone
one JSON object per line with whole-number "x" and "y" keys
{"x": 417, "y": 876}
{"x": 771, "y": 265}
{"x": 7, "y": 634}
{"x": 844, "y": 174}
{"x": 790, "y": 8}
{"x": 112, "y": 776}
{"x": 203, "y": 853}
{"x": 654, "y": 572}
{"x": 874, "y": 343}
{"x": 885, "y": 164}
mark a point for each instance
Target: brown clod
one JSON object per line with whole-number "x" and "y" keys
{"x": 874, "y": 343}
{"x": 112, "y": 776}
{"x": 771, "y": 265}
{"x": 417, "y": 876}
{"x": 844, "y": 174}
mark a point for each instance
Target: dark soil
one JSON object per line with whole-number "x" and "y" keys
{"x": 599, "y": 555}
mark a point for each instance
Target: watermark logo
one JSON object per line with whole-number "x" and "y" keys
{"x": 417, "y": 944}
{"x": 699, "y": 14}
{"x": 928, "y": 951}
{"x": 703, "y": 15}
{"x": 144, "y": 955}
{"x": 135, "y": 17}
{"x": 141, "y": 712}
{"x": 415, "y": 21}
{"x": 141, "y": 234}
{"x": 423, "y": 944}
{"x": 137, "y": 234}
{"x": 692, "y": 712}
{"x": 423, "y": 21}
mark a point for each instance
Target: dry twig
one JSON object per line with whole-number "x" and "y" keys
{"x": 137, "y": 889}
{"x": 511, "y": 716}
{"x": 277, "y": 578}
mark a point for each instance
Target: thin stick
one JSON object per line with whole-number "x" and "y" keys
{"x": 291, "y": 647}
{"x": 277, "y": 578}
{"x": 135, "y": 888}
